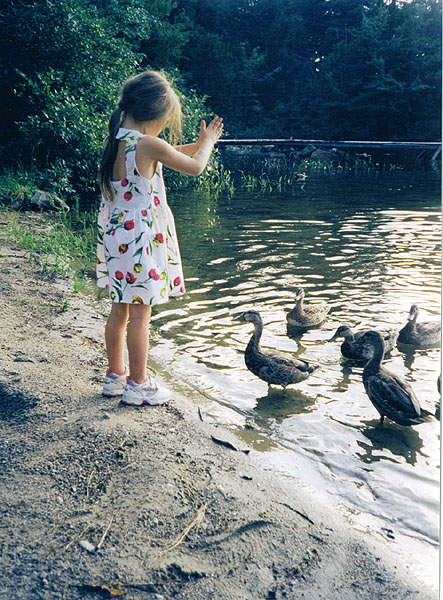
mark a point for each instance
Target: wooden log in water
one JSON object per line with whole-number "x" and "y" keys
{"x": 436, "y": 146}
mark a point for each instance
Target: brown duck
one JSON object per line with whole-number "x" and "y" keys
{"x": 353, "y": 347}
{"x": 302, "y": 316}
{"x": 271, "y": 366}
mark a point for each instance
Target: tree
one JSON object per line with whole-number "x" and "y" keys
{"x": 318, "y": 68}
{"x": 223, "y": 61}
{"x": 64, "y": 63}
{"x": 383, "y": 80}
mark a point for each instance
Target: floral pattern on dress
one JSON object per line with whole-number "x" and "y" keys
{"x": 138, "y": 257}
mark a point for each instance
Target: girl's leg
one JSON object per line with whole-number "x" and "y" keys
{"x": 138, "y": 341}
{"x": 115, "y": 337}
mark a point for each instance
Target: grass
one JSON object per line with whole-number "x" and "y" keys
{"x": 283, "y": 175}
{"x": 62, "y": 246}
{"x": 220, "y": 180}
{"x": 214, "y": 179}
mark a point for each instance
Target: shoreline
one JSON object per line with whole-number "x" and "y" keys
{"x": 168, "y": 509}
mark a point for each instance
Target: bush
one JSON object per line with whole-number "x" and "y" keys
{"x": 64, "y": 65}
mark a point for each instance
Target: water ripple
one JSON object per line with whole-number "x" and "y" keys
{"x": 368, "y": 250}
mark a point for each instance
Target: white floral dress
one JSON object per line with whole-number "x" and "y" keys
{"x": 138, "y": 257}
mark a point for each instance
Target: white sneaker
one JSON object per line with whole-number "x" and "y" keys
{"x": 114, "y": 385}
{"x": 145, "y": 393}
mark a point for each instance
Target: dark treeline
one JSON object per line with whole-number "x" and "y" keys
{"x": 335, "y": 69}
{"x": 338, "y": 69}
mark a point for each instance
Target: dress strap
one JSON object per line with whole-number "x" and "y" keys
{"x": 130, "y": 137}
{"x": 129, "y": 134}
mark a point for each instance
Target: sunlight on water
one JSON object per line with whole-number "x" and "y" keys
{"x": 370, "y": 247}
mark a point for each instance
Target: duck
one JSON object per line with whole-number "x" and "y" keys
{"x": 391, "y": 395}
{"x": 306, "y": 316}
{"x": 353, "y": 346}
{"x": 420, "y": 334}
{"x": 272, "y": 366}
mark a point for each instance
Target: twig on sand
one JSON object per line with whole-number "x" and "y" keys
{"x": 298, "y": 512}
{"x": 228, "y": 444}
{"x": 195, "y": 521}
{"x": 89, "y": 482}
{"x": 191, "y": 490}
{"x": 130, "y": 464}
{"x": 105, "y": 533}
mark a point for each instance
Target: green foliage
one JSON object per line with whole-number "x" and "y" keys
{"x": 17, "y": 187}
{"x": 383, "y": 79}
{"x": 64, "y": 65}
{"x": 222, "y": 60}
{"x": 66, "y": 77}
{"x": 272, "y": 68}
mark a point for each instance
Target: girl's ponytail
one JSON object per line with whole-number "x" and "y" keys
{"x": 109, "y": 153}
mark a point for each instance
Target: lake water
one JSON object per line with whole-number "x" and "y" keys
{"x": 370, "y": 247}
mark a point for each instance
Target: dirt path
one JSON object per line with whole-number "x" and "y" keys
{"x": 166, "y": 511}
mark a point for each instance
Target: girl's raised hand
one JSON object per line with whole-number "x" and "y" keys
{"x": 212, "y": 132}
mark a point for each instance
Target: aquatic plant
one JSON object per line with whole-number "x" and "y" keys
{"x": 283, "y": 174}
{"x": 214, "y": 179}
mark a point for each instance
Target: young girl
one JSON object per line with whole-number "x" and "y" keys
{"x": 138, "y": 255}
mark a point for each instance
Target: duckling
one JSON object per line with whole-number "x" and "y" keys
{"x": 420, "y": 334}
{"x": 353, "y": 346}
{"x": 306, "y": 316}
{"x": 271, "y": 366}
{"x": 392, "y": 396}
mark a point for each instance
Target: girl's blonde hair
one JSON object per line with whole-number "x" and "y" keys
{"x": 145, "y": 97}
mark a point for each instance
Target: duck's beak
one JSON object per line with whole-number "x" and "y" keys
{"x": 334, "y": 337}
{"x": 240, "y": 317}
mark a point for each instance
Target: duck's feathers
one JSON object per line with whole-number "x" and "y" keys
{"x": 356, "y": 349}
{"x": 421, "y": 334}
{"x": 309, "y": 316}
{"x": 394, "y": 398}
{"x": 280, "y": 376}
{"x": 272, "y": 366}
{"x": 276, "y": 368}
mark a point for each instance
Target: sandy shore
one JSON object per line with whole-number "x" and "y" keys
{"x": 101, "y": 500}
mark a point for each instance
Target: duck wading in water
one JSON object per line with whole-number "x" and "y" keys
{"x": 271, "y": 366}
{"x": 304, "y": 317}
{"x": 420, "y": 335}
{"x": 392, "y": 396}
{"x": 354, "y": 348}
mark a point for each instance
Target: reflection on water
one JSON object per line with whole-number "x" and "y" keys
{"x": 400, "y": 441}
{"x": 341, "y": 385}
{"x": 279, "y": 404}
{"x": 369, "y": 247}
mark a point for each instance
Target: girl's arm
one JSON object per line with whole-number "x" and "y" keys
{"x": 191, "y": 149}
{"x": 155, "y": 149}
